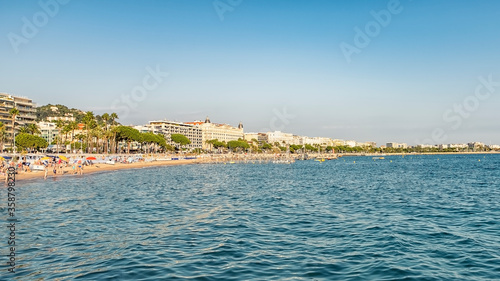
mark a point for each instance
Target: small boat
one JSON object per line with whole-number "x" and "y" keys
{"x": 110, "y": 162}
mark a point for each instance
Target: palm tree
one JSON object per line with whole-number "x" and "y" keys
{"x": 13, "y": 113}
{"x": 112, "y": 118}
{"x": 105, "y": 117}
{"x": 23, "y": 130}
{"x": 33, "y": 129}
{"x": 3, "y": 135}
{"x": 59, "y": 126}
{"x": 96, "y": 133}
{"x": 73, "y": 125}
{"x": 66, "y": 129}
{"x": 88, "y": 119}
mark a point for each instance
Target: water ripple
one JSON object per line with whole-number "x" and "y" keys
{"x": 415, "y": 218}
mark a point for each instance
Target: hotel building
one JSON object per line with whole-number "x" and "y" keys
{"x": 220, "y": 132}
{"x": 26, "y": 114}
{"x": 167, "y": 128}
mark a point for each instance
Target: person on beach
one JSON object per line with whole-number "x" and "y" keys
{"x": 46, "y": 171}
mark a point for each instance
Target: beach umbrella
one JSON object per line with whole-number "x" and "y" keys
{"x": 2, "y": 159}
{"x": 63, "y": 158}
{"x": 91, "y": 158}
{"x": 46, "y": 158}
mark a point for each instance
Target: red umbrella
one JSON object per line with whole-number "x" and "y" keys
{"x": 91, "y": 158}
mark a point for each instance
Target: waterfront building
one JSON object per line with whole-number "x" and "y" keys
{"x": 396, "y": 145}
{"x": 494, "y": 146}
{"x": 279, "y": 137}
{"x": 425, "y": 146}
{"x": 220, "y": 132}
{"x": 317, "y": 141}
{"x": 367, "y": 144}
{"x": 476, "y": 145}
{"x": 145, "y": 129}
{"x": 167, "y": 128}
{"x": 350, "y": 143}
{"x": 26, "y": 114}
{"x": 338, "y": 142}
{"x": 251, "y": 136}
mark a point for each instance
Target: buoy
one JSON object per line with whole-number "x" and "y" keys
{"x": 391, "y": 161}
{"x": 354, "y": 161}
{"x": 479, "y": 160}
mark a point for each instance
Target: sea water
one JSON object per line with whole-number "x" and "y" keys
{"x": 356, "y": 218}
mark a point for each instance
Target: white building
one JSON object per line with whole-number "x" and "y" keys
{"x": 251, "y": 136}
{"x": 167, "y": 128}
{"x": 68, "y": 118}
{"x": 317, "y": 141}
{"x": 367, "y": 144}
{"x": 280, "y": 137}
{"x": 220, "y": 132}
{"x": 48, "y": 131}
{"x": 351, "y": 143}
{"x": 396, "y": 145}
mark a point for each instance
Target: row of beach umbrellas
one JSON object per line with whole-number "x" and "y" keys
{"x": 64, "y": 158}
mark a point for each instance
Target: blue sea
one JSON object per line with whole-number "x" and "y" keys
{"x": 400, "y": 218}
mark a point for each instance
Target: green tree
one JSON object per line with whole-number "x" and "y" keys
{"x": 235, "y": 145}
{"x": 89, "y": 121}
{"x": 28, "y": 141}
{"x": 112, "y": 120}
{"x": 13, "y": 113}
{"x": 128, "y": 134}
{"x": 105, "y": 118}
{"x": 3, "y": 135}
{"x": 180, "y": 140}
{"x": 59, "y": 127}
{"x": 266, "y": 146}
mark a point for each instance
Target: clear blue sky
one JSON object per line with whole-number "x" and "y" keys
{"x": 265, "y": 57}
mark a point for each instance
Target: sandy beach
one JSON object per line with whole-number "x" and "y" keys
{"x": 68, "y": 171}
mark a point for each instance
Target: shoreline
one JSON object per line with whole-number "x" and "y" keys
{"x": 98, "y": 168}
{"x": 417, "y": 153}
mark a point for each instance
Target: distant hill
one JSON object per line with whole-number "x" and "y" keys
{"x": 58, "y": 110}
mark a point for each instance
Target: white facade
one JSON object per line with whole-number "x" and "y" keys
{"x": 350, "y": 143}
{"x": 63, "y": 118}
{"x": 397, "y": 145}
{"x": 280, "y": 137}
{"x": 220, "y": 132}
{"x": 251, "y": 136}
{"x": 48, "y": 131}
{"x": 317, "y": 141}
{"x": 167, "y": 128}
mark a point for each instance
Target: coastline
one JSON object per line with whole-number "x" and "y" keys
{"x": 97, "y": 168}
